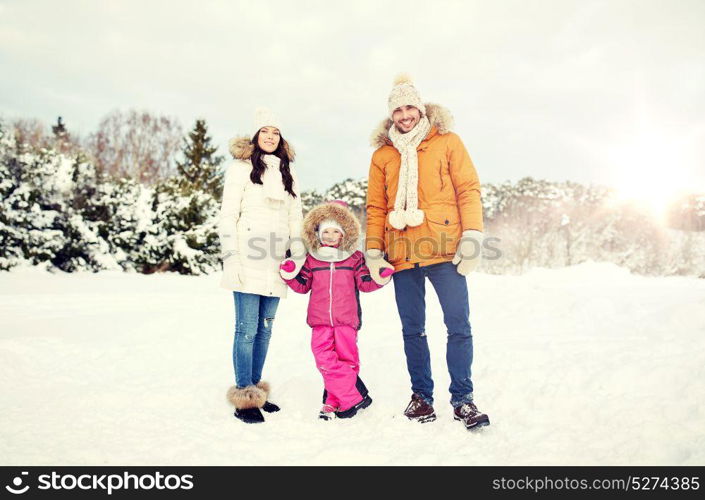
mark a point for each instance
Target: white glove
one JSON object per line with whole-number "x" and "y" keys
{"x": 375, "y": 263}
{"x": 232, "y": 269}
{"x": 298, "y": 256}
{"x": 469, "y": 252}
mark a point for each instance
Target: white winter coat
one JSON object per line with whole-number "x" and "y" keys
{"x": 256, "y": 226}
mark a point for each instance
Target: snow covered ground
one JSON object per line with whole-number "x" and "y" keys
{"x": 581, "y": 365}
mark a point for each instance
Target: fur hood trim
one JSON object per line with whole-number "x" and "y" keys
{"x": 341, "y": 215}
{"x": 241, "y": 147}
{"x": 438, "y": 116}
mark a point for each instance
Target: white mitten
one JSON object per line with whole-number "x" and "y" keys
{"x": 375, "y": 263}
{"x": 232, "y": 269}
{"x": 298, "y": 256}
{"x": 469, "y": 252}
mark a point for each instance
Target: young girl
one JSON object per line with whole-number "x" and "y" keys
{"x": 335, "y": 272}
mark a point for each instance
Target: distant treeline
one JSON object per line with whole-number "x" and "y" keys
{"x": 138, "y": 196}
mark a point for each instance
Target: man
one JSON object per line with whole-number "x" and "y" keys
{"x": 424, "y": 216}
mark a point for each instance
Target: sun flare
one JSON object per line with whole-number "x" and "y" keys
{"x": 653, "y": 169}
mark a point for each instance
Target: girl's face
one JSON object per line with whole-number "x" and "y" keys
{"x": 268, "y": 139}
{"x": 331, "y": 237}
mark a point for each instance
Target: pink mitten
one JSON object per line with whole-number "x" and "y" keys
{"x": 387, "y": 271}
{"x": 287, "y": 266}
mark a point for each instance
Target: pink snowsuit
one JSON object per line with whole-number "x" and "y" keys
{"x": 335, "y": 315}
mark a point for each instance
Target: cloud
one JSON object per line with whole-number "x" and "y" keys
{"x": 513, "y": 73}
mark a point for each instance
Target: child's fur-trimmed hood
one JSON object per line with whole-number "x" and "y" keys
{"x": 438, "y": 116}
{"x": 342, "y": 215}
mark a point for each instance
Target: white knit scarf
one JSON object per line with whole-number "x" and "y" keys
{"x": 330, "y": 254}
{"x": 272, "y": 179}
{"x": 406, "y": 204}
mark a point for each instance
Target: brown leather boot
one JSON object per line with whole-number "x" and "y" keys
{"x": 419, "y": 410}
{"x": 470, "y": 416}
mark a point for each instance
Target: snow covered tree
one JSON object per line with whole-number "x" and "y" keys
{"x": 184, "y": 235}
{"x": 44, "y": 194}
{"x": 83, "y": 247}
{"x": 120, "y": 211}
{"x": 11, "y": 235}
{"x": 310, "y": 199}
{"x": 30, "y": 207}
{"x": 199, "y": 167}
{"x": 353, "y": 192}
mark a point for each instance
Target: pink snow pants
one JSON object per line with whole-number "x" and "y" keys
{"x": 337, "y": 358}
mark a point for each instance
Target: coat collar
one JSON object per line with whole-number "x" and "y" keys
{"x": 327, "y": 254}
{"x": 441, "y": 123}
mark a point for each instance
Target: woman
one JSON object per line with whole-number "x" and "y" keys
{"x": 260, "y": 214}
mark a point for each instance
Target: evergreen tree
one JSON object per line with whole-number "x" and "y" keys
{"x": 310, "y": 199}
{"x": 59, "y": 130}
{"x": 122, "y": 212}
{"x": 11, "y": 235}
{"x": 62, "y": 140}
{"x": 199, "y": 168}
{"x": 84, "y": 247}
{"x": 183, "y": 236}
{"x": 353, "y": 192}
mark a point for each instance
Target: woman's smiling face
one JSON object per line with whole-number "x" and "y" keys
{"x": 268, "y": 139}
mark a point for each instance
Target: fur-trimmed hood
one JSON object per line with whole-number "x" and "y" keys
{"x": 342, "y": 215}
{"x": 241, "y": 147}
{"x": 438, "y": 116}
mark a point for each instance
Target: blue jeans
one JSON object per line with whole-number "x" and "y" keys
{"x": 452, "y": 291}
{"x": 254, "y": 315}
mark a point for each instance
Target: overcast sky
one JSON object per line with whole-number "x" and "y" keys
{"x": 558, "y": 90}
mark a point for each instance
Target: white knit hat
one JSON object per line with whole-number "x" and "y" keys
{"x": 327, "y": 224}
{"x": 264, "y": 117}
{"x": 404, "y": 94}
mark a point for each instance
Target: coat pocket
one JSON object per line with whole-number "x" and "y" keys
{"x": 444, "y": 232}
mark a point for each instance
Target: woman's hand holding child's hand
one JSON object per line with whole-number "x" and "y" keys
{"x": 291, "y": 266}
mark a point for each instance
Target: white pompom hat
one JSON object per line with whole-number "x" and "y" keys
{"x": 404, "y": 94}
{"x": 264, "y": 117}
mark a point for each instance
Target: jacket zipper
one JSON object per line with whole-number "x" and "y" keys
{"x": 330, "y": 293}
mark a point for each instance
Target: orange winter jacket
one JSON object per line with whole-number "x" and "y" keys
{"x": 449, "y": 195}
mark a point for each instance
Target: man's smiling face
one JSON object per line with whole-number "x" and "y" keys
{"x": 405, "y": 118}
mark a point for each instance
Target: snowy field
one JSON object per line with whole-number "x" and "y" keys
{"x": 577, "y": 366}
